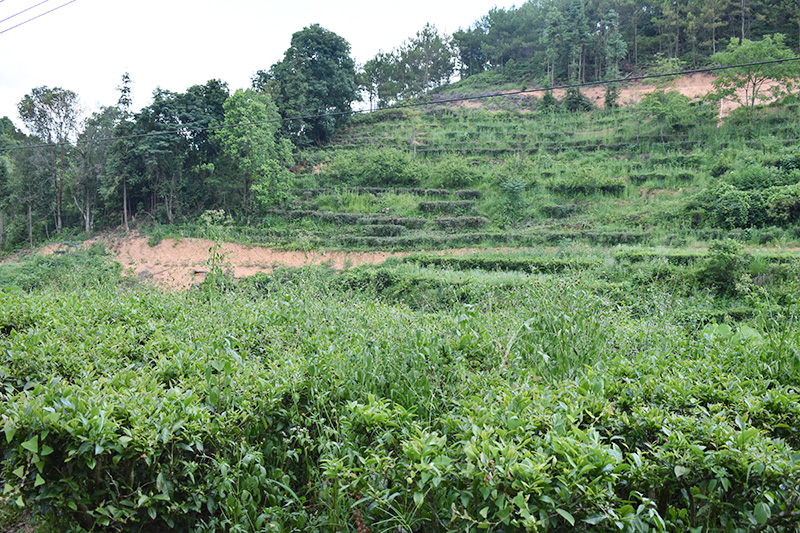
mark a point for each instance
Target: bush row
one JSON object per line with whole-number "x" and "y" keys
{"x": 479, "y": 262}
{"x": 417, "y": 191}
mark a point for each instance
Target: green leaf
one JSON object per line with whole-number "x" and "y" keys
{"x": 763, "y": 513}
{"x": 10, "y": 431}
{"x": 46, "y": 450}
{"x": 484, "y": 512}
{"x": 680, "y": 470}
{"x": 32, "y": 444}
{"x": 594, "y": 519}
{"x": 513, "y": 423}
{"x": 19, "y": 472}
{"x": 39, "y": 481}
{"x": 418, "y": 497}
{"x": 568, "y": 517}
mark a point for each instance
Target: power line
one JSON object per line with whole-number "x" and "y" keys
{"x": 23, "y": 11}
{"x": 182, "y": 129}
{"x": 36, "y": 17}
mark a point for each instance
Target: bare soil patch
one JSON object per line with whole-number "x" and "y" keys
{"x": 181, "y": 263}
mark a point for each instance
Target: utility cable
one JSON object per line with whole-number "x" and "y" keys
{"x": 36, "y": 17}
{"x": 23, "y": 11}
{"x": 189, "y": 128}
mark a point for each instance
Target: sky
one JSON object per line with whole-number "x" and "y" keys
{"x": 86, "y": 45}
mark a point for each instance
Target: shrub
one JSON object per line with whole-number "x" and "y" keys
{"x": 562, "y": 211}
{"x": 575, "y": 101}
{"x": 384, "y": 167}
{"x": 447, "y": 207}
{"x": 724, "y": 266}
{"x": 783, "y": 204}
{"x": 460, "y": 223}
{"x": 452, "y": 172}
{"x": 383, "y": 230}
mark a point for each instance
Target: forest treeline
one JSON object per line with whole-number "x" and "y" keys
{"x": 178, "y": 157}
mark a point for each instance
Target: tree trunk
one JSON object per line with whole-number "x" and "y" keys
{"x": 88, "y": 210}
{"x": 125, "y": 203}
{"x": 743, "y": 17}
{"x": 1, "y": 230}
{"x": 30, "y": 225}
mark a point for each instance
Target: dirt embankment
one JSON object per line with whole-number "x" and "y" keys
{"x": 181, "y": 263}
{"x": 695, "y": 86}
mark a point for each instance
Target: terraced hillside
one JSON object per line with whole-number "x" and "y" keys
{"x": 443, "y": 177}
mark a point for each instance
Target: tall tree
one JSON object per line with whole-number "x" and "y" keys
{"x": 752, "y": 78}
{"x": 429, "y": 60}
{"x": 52, "y": 116}
{"x": 379, "y": 80}
{"x": 316, "y": 80}
{"x": 92, "y": 148}
{"x": 119, "y": 166}
{"x": 259, "y": 156}
{"x": 30, "y": 182}
{"x": 577, "y": 36}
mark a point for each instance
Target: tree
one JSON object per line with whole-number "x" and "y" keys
{"x": 6, "y": 129}
{"x": 120, "y": 159}
{"x": 576, "y": 37}
{"x": 669, "y": 108}
{"x": 30, "y": 182}
{"x": 52, "y": 116}
{"x": 259, "y": 157}
{"x": 614, "y": 49}
{"x": 92, "y": 150}
{"x": 379, "y": 80}
{"x": 429, "y": 60}
{"x": 316, "y": 80}
{"x": 752, "y": 78}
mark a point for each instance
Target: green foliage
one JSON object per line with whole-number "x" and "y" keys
{"x": 575, "y": 101}
{"x": 259, "y": 158}
{"x": 315, "y": 77}
{"x": 491, "y": 400}
{"x": 669, "y": 108}
{"x": 724, "y": 266}
{"x": 452, "y": 172}
{"x": 376, "y": 168}
{"x": 753, "y": 77}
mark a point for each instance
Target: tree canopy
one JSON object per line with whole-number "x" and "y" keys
{"x": 753, "y": 77}
{"x": 316, "y": 77}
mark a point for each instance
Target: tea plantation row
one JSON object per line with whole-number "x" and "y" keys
{"x": 306, "y": 401}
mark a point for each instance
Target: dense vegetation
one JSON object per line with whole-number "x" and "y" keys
{"x": 629, "y": 359}
{"x": 643, "y": 390}
{"x": 210, "y": 148}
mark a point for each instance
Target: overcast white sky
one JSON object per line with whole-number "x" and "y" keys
{"x": 87, "y": 45}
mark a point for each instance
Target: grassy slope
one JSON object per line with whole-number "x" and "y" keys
{"x": 442, "y": 177}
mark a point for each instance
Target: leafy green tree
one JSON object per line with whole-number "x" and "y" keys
{"x": 576, "y": 37}
{"x": 468, "y": 45}
{"x": 379, "y": 81}
{"x": 92, "y": 151}
{"x": 162, "y": 151}
{"x": 119, "y": 169}
{"x": 614, "y": 49}
{"x": 6, "y": 142}
{"x": 5, "y": 193}
{"x": 52, "y": 116}
{"x": 260, "y": 157}
{"x": 752, "y": 78}
{"x": 30, "y": 183}
{"x": 429, "y": 60}
{"x": 314, "y": 85}
{"x": 669, "y": 108}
